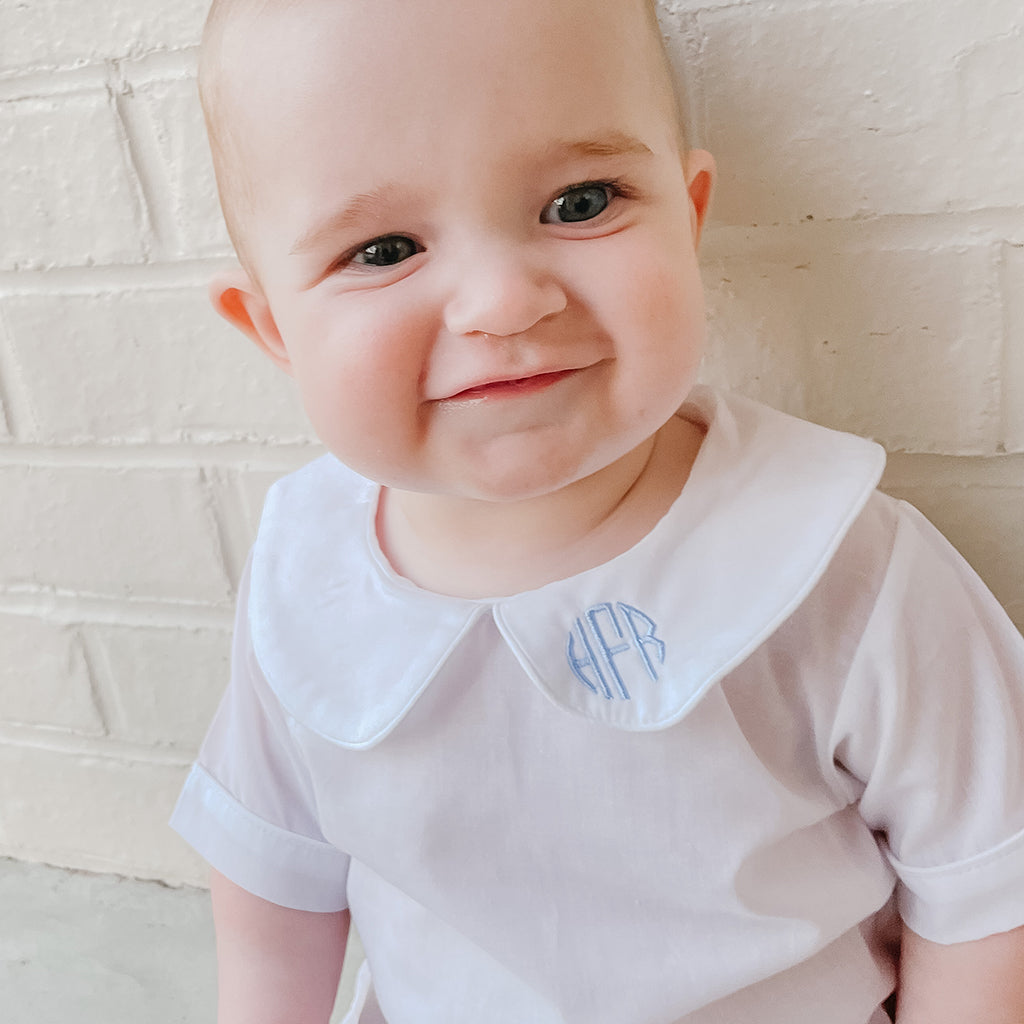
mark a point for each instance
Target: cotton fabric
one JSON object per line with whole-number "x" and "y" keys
{"x": 691, "y": 785}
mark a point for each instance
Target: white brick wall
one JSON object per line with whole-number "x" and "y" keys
{"x": 865, "y": 268}
{"x": 145, "y": 365}
{"x": 58, "y": 156}
{"x": 44, "y": 34}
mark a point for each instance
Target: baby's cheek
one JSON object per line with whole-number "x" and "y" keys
{"x": 671, "y": 310}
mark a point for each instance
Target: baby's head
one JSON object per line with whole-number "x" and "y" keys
{"x": 468, "y": 229}
{"x": 224, "y": 47}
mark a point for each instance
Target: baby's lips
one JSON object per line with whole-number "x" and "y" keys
{"x": 513, "y": 385}
{"x": 511, "y": 382}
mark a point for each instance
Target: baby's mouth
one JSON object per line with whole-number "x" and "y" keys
{"x": 512, "y": 387}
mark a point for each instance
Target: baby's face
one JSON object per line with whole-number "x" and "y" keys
{"x": 475, "y": 234}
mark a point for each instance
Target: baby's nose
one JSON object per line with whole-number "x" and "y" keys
{"x": 502, "y": 293}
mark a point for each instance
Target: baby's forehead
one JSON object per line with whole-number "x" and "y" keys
{"x": 228, "y": 19}
{"x": 243, "y": 39}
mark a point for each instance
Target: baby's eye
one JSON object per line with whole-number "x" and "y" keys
{"x": 385, "y": 252}
{"x": 581, "y": 202}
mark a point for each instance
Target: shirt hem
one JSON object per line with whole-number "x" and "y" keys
{"x": 967, "y": 900}
{"x": 281, "y": 867}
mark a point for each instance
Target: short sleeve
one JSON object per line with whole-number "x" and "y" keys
{"x": 931, "y": 721}
{"x": 248, "y": 806}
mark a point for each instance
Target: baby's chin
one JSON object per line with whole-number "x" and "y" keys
{"x": 511, "y": 481}
{"x": 494, "y": 488}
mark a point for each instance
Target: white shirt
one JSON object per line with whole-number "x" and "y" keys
{"x": 690, "y": 784}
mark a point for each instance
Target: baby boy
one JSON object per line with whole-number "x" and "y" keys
{"x": 588, "y": 694}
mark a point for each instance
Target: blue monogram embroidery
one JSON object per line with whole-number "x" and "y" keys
{"x": 601, "y": 636}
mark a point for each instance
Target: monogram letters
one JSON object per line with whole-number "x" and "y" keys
{"x": 612, "y": 643}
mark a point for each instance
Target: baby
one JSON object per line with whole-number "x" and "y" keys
{"x": 593, "y": 696}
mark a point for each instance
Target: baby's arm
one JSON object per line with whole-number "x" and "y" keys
{"x": 274, "y": 965}
{"x": 970, "y": 981}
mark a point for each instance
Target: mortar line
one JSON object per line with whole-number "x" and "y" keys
{"x": 108, "y": 707}
{"x": 71, "y": 609}
{"x": 974, "y": 472}
{"x": 901, "y": 232}
{"x": 1005, "y": 361}
{"x": 70, "y": 744}
{"x": 116, "y": 277}
{"x": 120, "y": 91}
{"x": 8, "y": 373}
{"x": 19, "y": 414}
{"x": 212, "y": 490}
{"x": 45, "y": 81}
{"x": 243, "y": 456}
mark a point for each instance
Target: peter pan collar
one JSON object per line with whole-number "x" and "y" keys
{"x": 348, "y": 646}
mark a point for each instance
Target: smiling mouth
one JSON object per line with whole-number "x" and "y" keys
{"x": 511, "y": 388}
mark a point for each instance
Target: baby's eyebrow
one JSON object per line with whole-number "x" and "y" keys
{"x": 361, "y": 207}
{"x": 612, "y": 143}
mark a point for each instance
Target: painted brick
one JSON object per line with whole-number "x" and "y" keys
{"x": 181, "y": 137}
{"x": 98, "y": 814}
{"x": 756, "y": 337}
{"x": 991, "y": 82}
{"x": 1013, "y": 362}
{"x": 44, "y": 678}
{"x": 165, "y": 684}
{"x": 905, "y": 347}
{"x": 52, "y": 33}
{"x": 810, "y": 112}
{"x": 56, "y": 209}
{"x": 846, "y": 110}
{"x": 119, "y": 534}
{"x": 986, "y": 526}
{"x": 145, "y": 366}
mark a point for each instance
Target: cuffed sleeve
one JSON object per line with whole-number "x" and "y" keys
{"x": 249, "y": 806}
{"x": 277, "y": 865}
{"x": 970, "y": 899}
{"x": 932, "y": 722}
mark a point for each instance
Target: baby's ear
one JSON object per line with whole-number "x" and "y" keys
{"x": 699, "y": 167}
{"x": 240, "y": 301}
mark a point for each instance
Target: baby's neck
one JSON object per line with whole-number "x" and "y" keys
{"x": 490, "y": 549}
